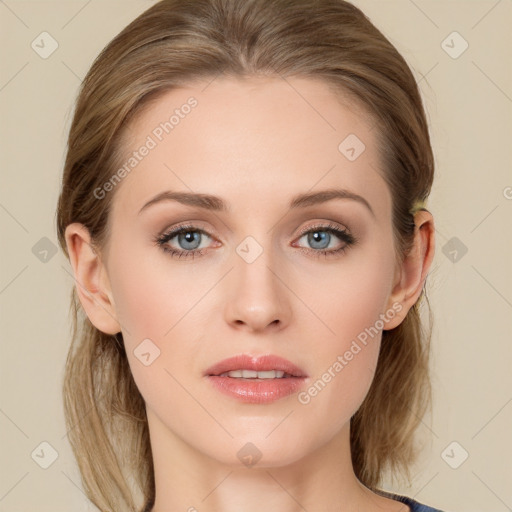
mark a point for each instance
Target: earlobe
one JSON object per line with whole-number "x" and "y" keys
{"x": 91, "y": 279}
{"x": 414, "y": 268}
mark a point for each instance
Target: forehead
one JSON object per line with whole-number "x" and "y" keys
{"x": 252, "y": 140}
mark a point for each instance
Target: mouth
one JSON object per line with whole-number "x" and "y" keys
{"x": 252, "y": 374}
{"x": 245, "y": 366}
{"x": 259, "y": 380}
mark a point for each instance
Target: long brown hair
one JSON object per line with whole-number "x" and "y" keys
{"x": 173, "y": 43}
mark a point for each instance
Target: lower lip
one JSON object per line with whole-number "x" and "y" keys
{"x": 257, "y": 391}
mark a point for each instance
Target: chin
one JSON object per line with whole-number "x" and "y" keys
{"x": 263, "y": 451}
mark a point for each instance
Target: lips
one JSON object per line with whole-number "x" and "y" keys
{"x": 254, "y": 381}
{"x": 256, "y": 363}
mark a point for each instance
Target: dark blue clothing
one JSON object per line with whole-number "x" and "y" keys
{"x": 413, "y": 504}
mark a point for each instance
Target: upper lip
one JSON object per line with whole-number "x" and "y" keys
{"x": 258, "y": 363}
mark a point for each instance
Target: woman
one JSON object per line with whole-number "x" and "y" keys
{"x": 243, "y": 209}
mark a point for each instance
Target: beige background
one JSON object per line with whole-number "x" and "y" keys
{"x": 469, "y": 101}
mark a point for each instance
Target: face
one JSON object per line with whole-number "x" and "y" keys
{"x": 305, "y": 280}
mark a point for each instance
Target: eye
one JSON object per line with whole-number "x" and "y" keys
{"x": 188, "y": 237}
{"x": 320, "y": 238}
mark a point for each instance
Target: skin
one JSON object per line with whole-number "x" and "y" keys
{"x": 255, "y": 143}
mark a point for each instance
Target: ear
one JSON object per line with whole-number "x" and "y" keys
{"x": 413, "y": 270}
{"x": 92, "y": 284}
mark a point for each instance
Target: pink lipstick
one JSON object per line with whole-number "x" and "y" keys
{"x": 256, "y": 379}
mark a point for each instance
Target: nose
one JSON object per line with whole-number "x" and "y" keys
{"x": 257, "y": 296}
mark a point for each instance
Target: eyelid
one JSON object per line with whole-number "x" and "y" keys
{"x": 323, "y": 225}
{"x": 191, "y": 226}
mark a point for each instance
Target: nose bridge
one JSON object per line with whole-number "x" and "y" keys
{"x": 253, "y": 262}
{"x": 257, "y": 297}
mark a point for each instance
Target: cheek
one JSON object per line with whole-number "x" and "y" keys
{"x": 155, "y": 300}
{"x": 350, "y": 302}
{"x": 151, "y": 295}
{"x": 351, "y": 294}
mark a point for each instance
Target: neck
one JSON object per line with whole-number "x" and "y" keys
{"x": 189, "y": 480}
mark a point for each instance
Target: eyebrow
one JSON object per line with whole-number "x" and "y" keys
{"x": 215, "y": 203}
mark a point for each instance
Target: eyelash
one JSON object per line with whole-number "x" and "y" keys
{"x": 342, "y": 234}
